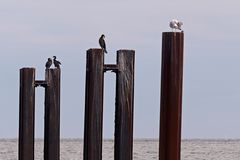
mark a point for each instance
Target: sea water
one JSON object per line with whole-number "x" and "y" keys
{"x": 143, "y": 149}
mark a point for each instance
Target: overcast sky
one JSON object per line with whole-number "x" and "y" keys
{"x": 30, "y": 32}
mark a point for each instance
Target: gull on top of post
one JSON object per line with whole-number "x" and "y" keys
{"x": 176, "y": 25}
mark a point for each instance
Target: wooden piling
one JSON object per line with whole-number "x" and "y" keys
{"x": 26, "y": 114}
{"x": 171, "y": 96}
{"x": 52, "y": 115}
{"x": 93, "y": 105}
{"x": 124, "y": 105}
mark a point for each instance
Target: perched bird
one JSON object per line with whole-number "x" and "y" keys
{"x": 48, "y": 63}
{"x": 175, "y": 24}
{"x": 56, "y": 62}
{"x": 102, "y": 43}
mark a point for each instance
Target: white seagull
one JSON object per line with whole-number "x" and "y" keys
{"x": 176, "y": 24}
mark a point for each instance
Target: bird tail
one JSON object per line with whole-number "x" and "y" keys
{"x": 105, "y": 51}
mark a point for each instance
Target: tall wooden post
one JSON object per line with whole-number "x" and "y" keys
{"x": 171, "y": 96}
{"x": 94, "y": 105}
{"x": 124, "y": 105}
{"x": 26, "y": 114}
{"x": 52, "y": 115}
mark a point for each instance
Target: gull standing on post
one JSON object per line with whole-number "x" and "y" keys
{"x": 176, "y": 24}
{"x": 102, "y": 43}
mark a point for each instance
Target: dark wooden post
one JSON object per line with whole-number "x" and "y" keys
{"x": 171, "y": 96}
{"x": 124, "y": 105}
{"x": 93, "y": 105}
{"x": 52, "y": 115}
{"x": 26, "y": 114}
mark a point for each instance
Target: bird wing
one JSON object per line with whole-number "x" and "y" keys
{"x": 102, "y": 43}
{"x": 171, "y": 24}
{"x": 58, "y": 62}
{"x": 48, "y": 64}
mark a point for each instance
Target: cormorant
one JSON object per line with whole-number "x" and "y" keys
{"x": 102, "y": 43}
{"x": 56, "y": 62}
{"x": 48, "y": 63}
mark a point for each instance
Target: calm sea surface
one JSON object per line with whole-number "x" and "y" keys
{"x": 72, "y": 149}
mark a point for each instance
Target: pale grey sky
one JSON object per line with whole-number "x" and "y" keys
{"x": 30, "y": 32}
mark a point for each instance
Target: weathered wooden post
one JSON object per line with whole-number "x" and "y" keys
{"x": 93, "y": 105}
{"x": 124, "y": 105}
{"x": 52, "y": 115}
{"x": 26, "y": 114}
{"x": 171, "y": 96}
